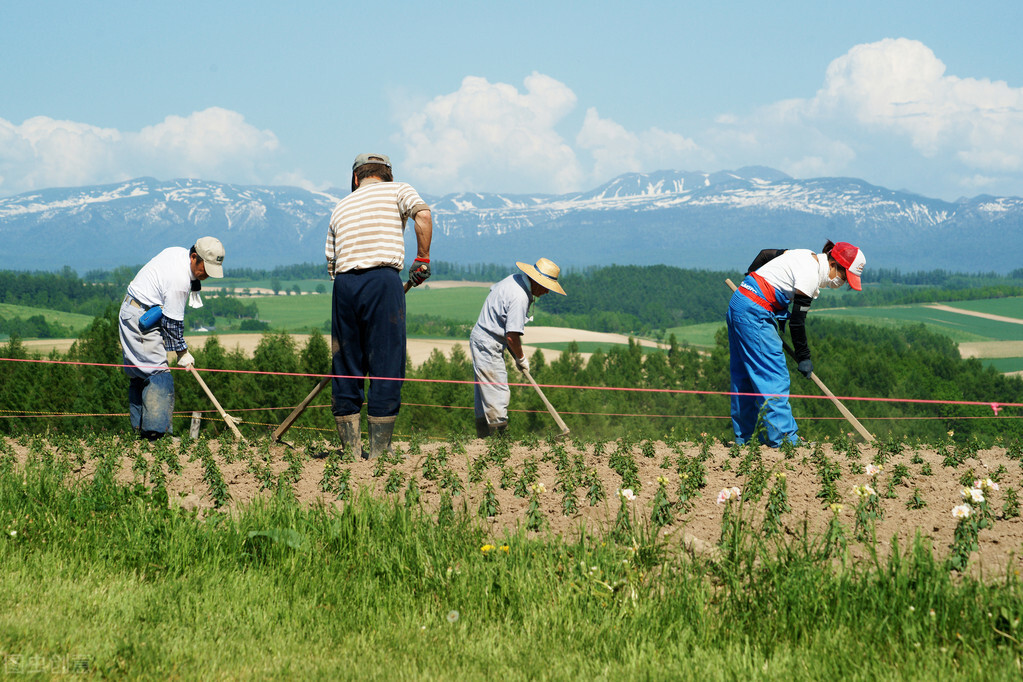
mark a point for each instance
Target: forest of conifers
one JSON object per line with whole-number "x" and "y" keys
{"x": 628, "y": 299}
{"x": 908, "y": 363}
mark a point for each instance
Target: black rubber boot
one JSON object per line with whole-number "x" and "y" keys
{"x": 380, "y": 431}
{"x": 482, "y": 427}
{"x": 499, "y": 428}
{"x": 348, "y": 430}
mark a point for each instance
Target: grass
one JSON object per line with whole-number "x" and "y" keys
{"x": 298, "y": 313}
{"x": 958, "y": 327}
{"x": 1004, "y": 364}
{"x": 73, "y": 320}
{"x": 1006, "y": 307}
{"x": 294, "y": 313}
{"x": 108, "y": 573}
{"x": 698, "y": 335}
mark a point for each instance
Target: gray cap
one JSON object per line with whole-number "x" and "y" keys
{"x": 363, "y": 159}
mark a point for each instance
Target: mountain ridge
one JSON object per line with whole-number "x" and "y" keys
{"x": 686, "y": 218}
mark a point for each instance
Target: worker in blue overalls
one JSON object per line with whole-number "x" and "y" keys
{"x": 760, "y": 379}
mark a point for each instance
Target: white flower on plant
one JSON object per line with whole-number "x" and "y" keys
{"x": 627, "y": 494}
{"x": 864, "y": 490}
{"x": 976, "y": 495}
{"x": 452, "y": 616}
{"x": 873, "y": 470}
{"x": 986, "y": 484}
{"x": 727, "y": 494}
{"x": 14, "y": 533}
{"x": 538, "y": 488}
{"x": 961, "y": 511}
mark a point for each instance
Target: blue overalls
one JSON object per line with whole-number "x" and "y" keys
{"x": 757, "y": 363}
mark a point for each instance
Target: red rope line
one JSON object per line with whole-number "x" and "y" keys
{"x": 995, "y": 406}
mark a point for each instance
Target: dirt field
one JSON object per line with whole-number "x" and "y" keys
{"x": 418, "y": 349}
{"x": 697, "y": 529}
{"x": 974, "y": 313}
{"x": 991, "y": 349}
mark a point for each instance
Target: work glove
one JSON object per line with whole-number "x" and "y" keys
{"x": 522, "y": 363}
{"x": 806, "y": 367}
{"x": 419, "y": 272}
{"x": 185, "y": 359}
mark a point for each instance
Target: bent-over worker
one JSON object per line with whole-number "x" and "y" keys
{"x": 151, "y": 324}
{"x": 365, "y": 254}
{"x": 500, "y": 325}
{"x": 776, "y": 278}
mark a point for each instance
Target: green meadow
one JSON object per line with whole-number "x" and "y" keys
{"x": 958, "y": 327}
{"x": 1006, "y": 307}
{"x": 72, "y": 320}
{"x": 697, "y": 335}
{"x": 297, "y": 313}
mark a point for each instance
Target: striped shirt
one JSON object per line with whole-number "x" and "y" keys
{"x": 366, "y": 227}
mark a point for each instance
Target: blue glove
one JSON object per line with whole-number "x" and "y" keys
{"x": 805, "y": 367}
{"x": 419, "y": 272}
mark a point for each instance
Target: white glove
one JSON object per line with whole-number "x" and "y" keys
{"x": 522, "y": 363}
{"x": 185, "y": 359}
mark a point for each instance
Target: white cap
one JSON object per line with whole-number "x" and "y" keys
{"x": 212, "y": 253}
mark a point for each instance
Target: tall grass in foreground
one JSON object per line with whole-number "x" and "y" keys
{"x": 108, "y": 573}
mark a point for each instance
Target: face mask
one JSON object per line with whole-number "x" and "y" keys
{"x": 836, "y": 283}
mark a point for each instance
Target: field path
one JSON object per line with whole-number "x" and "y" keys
{"x": 974, "y": 313}
{"x": 418, "y": 349}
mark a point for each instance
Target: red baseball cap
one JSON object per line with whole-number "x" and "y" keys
{"x": 853, "y": 260}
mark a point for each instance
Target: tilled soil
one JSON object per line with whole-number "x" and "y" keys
{"x": 697, "y": 529}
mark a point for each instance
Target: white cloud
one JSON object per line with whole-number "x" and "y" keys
{"x": 901, "y": 86}
{"x": 215, "y": 144}
{"x": 616, "y": 150}
{"x": 490, "y": 136}
{"x": 888, "y": 111}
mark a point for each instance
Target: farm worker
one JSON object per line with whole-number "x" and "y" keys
{"x": 500, "y": 325}
{"x": 775, "y": 279}
{"x": 151, "y": 325}
{"x": 365, "y": 255}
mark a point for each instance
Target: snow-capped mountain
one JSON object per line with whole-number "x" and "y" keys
{"x": 690, "y": 219}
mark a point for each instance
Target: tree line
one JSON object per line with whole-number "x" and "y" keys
{"x": 628, "y": 299}
{"x": 903, "y": 363}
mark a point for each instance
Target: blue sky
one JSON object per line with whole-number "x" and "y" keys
{"x": 511, "y": 96}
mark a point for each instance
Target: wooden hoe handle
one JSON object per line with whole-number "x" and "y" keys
{"x": 550, "y": 408}
{"x": 227, "y": 418}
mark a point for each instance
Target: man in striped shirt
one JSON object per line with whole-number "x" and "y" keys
{"x": 365, "y": 254}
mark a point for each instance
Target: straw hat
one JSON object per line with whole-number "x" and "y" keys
{"x": 545, "y": 273}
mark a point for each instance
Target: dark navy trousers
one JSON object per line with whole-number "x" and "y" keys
{"x": 368, "y": 340}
